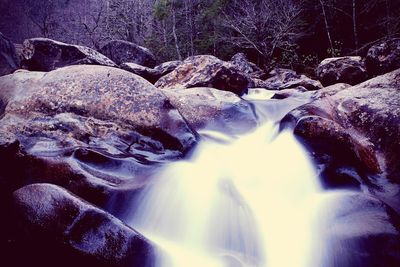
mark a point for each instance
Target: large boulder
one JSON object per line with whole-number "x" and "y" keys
{"x": 103, "y": 93}
{"x": 383, "y": 58}
{"x": 9, "y": 60}
{"x": 350, "y": 70}
{"x": 206, "y": 71}
{"x": 357, "y": 230}
{"x": 42, "y": 54}
{"x": 64, "y": 230}
{"x": 285, "y": 79}
{"x": 122, "y": 52}
{"x": 213, "y": 109}
{"x": 167, "y": 67}
{"x": 91, "y": 129}
{"x": 358, "y": 126}
{"x": 152, "y": 75}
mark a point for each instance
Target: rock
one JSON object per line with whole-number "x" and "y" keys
{"x": 241, "y": 62}
{"x": 9, "y": 60}
{"x": 258, "y": 83}
{"x": 149, "y": 74}
{"x": 350, "y": 70}
{"x": 383, "y": 58}
{"x": 125, "y": 52}
{"x": 167, "y": 67}
{"x": 285, "y": 93}
{"x": 206, "y": 71}
{"x": 94, "y": 130}
{"x": 42, "y": 54}
{"x": 358, "y": 230}
{"x": 55, "y": 221}
{"x": 358, "y": 126}
{"x": 103, "y": 93}
{"x": 285, "y": 79}
{"x": 19, "y": 49}
{"x": 213, "y": 109}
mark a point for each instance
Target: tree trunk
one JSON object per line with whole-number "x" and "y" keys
{"x": 164, "y": 32}
{"x": 189, "y": 17}
{"x": 355, "y": 27}
{"x": 327, "y": 28}
{"x": 178, "y": 52}
{"x": 388, "y": 32}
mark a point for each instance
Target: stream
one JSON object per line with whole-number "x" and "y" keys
{"x": 253, "y": 200}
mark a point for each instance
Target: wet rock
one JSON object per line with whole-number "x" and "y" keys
{"x": 335, "y": 139}
{"x": 125, "y": 52}
{"x": 42, "y": 54}
{"x": 149, "y": 74}
{"x": 9, "y": 60}
{"x": 213, "y": 109}
{"x": 59, "y": 225}
{"x": 206, "y": 71}
{"x": 167, "y": 67}
{"x": 285, "y": 79}
{"x": 94, "y": 130}
{"x": 358, "y": 126}
{"x": 359, "y": 230}
{"x": 241, "y": 62}
{"x": 383, "y": 58}
{"x": 350, "y": 70}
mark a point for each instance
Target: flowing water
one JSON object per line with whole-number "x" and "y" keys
{"x": 237, "y": 201}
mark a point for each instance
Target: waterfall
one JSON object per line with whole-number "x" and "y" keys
{"x": 237, "y": 201}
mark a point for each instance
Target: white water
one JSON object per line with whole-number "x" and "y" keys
{"x": 247, "y": 202}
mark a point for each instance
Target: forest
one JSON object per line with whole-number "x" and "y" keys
{"x": 288, "y": 33}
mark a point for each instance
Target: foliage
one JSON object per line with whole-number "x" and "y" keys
{"x": 271, "y": 32}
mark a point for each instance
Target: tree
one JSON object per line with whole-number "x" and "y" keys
{"x": 266, "y": 30}
{"x": 130, "y": 19}
{"x": 266, "y": 26}
{"x": 42, "y": 14}
{"x": 93, "y": 21}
